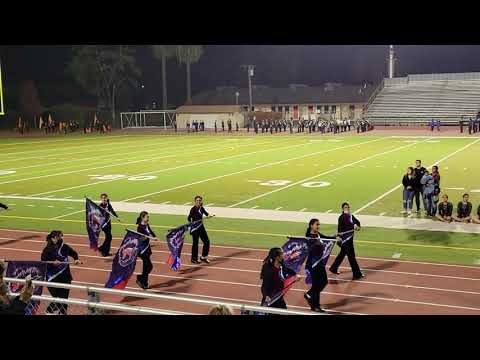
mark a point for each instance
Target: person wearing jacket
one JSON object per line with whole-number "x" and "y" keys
{"x": 428, "y": 192}
{"x": 57, "y": 253}
{"x": 272, "y": 274}
{"x": 107, "y": 227}
{"x": 18, "y": 304}
{"x": 445, "y": 210}
{"x": 315, "y": 265}
{"x": 143, "y": 227}
{"x": 408, "y": 182}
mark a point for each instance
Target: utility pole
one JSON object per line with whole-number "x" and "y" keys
{"x": 250, "y": 72}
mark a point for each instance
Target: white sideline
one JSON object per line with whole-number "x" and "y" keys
{"x": 400, "y": 185}
{"x": 321, "y": 174}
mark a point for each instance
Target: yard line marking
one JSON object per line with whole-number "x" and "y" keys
{"x": 30, "y": 205}
{"x": 396, "y": 255}
{"x": 321, "y": 174}
{"x": 27, "y": 142}
{"x": 12, "y": 204}
{"x": 146, "y": 201}
{"x": 382, "y": 213}
{"x": 303, "y": 209}
{"x": 166, "y": 202}
{"x": 283, "y": 235}
{"x": 187, "y": 203}
{"x": 70, "y": 208}
{"x": 50, "y": 206}
{"x": 329, "y": 211}
{"x": 210, "y": 204}
{"x": 278, "y": 208}
{"x": 67, "y": 197}
{"x": 254, "y": 207}
{"x": 41, "y": 198}
{"x": 176, "y": 167}
{"x": 400, "y": 185}
{"x": 475, "y": 191}
{"x": 245, "y": 170}
{"x": 65, "y": 215}
{"x": 454, "y": 188}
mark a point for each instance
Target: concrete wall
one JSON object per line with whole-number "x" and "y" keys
{"x": 209, "y": 119}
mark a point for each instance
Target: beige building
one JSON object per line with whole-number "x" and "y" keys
{"x": 331, "y": 101}
{"x": 210, "y": 114}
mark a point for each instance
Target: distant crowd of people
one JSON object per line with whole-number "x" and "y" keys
{"x": 473, "y": 124}
{"x": 419, "y": 182}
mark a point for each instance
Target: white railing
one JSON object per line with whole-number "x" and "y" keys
{"x": 149, "y": 295}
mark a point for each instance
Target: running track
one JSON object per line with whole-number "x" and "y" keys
{"x": 390, "y": 287}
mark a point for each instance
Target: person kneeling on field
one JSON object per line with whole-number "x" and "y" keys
{"x": 476, "y": 219}
{"x": 464, "y": 210}
{"x": 445, "y": 210}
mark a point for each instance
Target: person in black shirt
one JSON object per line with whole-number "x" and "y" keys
{"x": 143, "y": 227}
{"x": 314, "y": 264}
{"x": 229, "y": 124}
{"x": 56, "y": 252}
{"x": 445, "y": 210}
{"x": 347, "y": 224}
{"x": 215, "y": 126}
{"x": 273, "y": 270}
{"x": 223, "y": 125}
{"x": 464, "y": 210}
{"x": 408, "y": 182}
{"x": 107, "y": 227}
{"x": 418, "y": 189}
{"x": 197, "y": 230}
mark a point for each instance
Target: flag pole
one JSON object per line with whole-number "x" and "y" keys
{"x": 135, "y": 232}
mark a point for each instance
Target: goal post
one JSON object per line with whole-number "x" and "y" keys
{"x": 2, "y": 108}
{"x": 148, "y": 119}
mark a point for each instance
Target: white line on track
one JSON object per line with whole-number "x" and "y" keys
{"x": 246, "y": 170}
{"x": 321, "y": 174}
{"x": 263, "y": 251}
{"x": 294, "y": 289}
{"x": 400, "y": 185}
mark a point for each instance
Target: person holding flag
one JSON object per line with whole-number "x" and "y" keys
{"x": 320, "y": 248}
{"x": 107, "y": 225}
{"x": 145, "y": 249}
{"x": 347, "y": 225}
{"x": 273, "y": 276}
{"x": 56, "y": 253}
{"x": 197, "y": 230}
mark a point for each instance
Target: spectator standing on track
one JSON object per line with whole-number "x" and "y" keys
{"x": 314, "y": 264}
{"x": 445, "y": 210}
{"x": 438, "y": 124}
{"x": 143, "y": 227}
{"x": 432, "y": 124}
{"x": 107, "y": 227}
{"x": 347, "y": 225}
{"x": 408, "y": 182}
{"x": 57, "y": 253}
{"x": 197, "y": 230}
{"x": 188, "y": 127}
{"x": 229, "y": 124}
{"x": 223, "y": 126}
{"x": 215, "y": 126}
{"x": 470, "y": 126}
{"x": 236, "y": 125}
{"x": 271, "y": 275}
{"x": 419, "y": 172}
{"x": 464, "y": 210}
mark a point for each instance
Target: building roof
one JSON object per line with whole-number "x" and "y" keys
{"x": 208, "y": 109}
{"x": 327, "y": 94}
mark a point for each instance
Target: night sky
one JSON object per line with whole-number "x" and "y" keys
{"x": 275, "y": 65}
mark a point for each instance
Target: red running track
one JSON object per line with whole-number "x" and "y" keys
{"x": 390, "y": 287}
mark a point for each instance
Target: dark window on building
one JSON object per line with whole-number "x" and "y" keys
{"x": 287, "y": 109}
{"x": 273, "y": 108}
{"x": 334, "y": 109}
{"x": 352, "y": 107}
{"x": 253, "y": 108}
{"x": 319, "y": 109}
{"x": 325, "y": 109}
{"x": 280, "y": 109}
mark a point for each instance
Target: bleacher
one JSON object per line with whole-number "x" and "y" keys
{"x": 416, "y": 99}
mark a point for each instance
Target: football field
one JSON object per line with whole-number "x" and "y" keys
{"x": 44, "y": 182}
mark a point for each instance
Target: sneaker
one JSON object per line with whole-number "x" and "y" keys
{"x": 204, "y": 259}
{"x": 336, "y": 272}
{"x": 195, "y": 261}
{"x": 143, "y": 286}
{"x": 318, "y": 309}
{"x": 404, "y": 211}
{"x": 409, "y": 213}
{"x": 358, "y": 277}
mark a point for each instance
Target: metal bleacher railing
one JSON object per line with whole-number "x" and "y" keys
{"x": 85, "y": 306}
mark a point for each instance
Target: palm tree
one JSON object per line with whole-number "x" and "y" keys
{"x": 163, "y": 52}
{"x": 189, "y": 54}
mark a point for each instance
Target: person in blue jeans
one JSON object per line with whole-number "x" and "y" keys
{"x": 408, "y": 182}
{"x": 428, "y": 189}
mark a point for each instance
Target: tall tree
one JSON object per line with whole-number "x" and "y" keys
{"x": 102, "y": 70}
{"x": 188, "y": 55}
{"x": 28, "y": 100}
{"x": 164, "y": 52}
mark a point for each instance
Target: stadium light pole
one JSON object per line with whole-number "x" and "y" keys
{"x": 237, "y": 94}
{"x": 391, "y": 62}
{"x": 250, "y": 72}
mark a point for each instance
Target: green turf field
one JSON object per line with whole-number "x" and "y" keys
{"x": 312, "y": 173}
